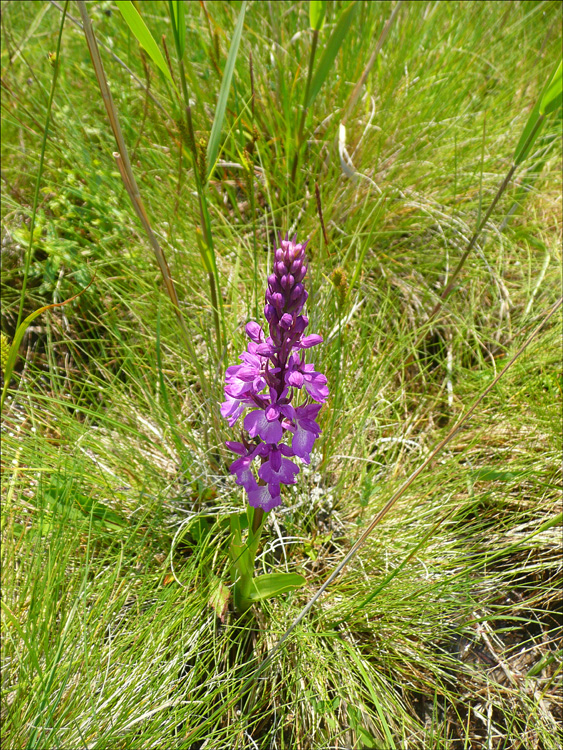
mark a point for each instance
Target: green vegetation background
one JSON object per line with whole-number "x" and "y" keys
{"x": 444, "y": 632}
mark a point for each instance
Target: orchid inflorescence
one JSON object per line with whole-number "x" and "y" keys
{"x": 272, "y": 372}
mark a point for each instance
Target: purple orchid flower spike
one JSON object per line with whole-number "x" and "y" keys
{"x": 272, "y": 377}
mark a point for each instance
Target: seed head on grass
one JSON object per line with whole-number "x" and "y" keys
{"x": 5, "y": 350}
{"x": 340, "y": 282}
{"x": 272, "y": 374}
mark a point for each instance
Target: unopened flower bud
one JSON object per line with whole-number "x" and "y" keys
{"x": 286, "y": 321}
{"x": 293, "y": 253}
{"x": 301, "y": 323}
{"x": 270, "y": 313}
{"x": 277, "y": 300}
{"x": 296, "y": 292}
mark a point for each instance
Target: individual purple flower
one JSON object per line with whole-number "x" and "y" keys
{"x": 258, "y": 423}
{"x": 241, "y": 466}
{"x": 299, "y": 374}
{"x": 272, "y": 374}
{"x": 305, "y": 431}
{"x": 232, "y": 408}
{"x": 266, "y": 496}
{"x": 276, "y": 469}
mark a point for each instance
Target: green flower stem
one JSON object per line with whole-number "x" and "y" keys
{"x": 243, "y": 556}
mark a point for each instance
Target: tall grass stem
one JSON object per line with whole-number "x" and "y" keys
{"x": 126, "y": 171}
{"x": 29, "y": 253}
{"x": 305, "y": 108}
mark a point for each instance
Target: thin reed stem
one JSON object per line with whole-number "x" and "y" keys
{"x": 29, "y": 253}
{"x": 305, "y": 108}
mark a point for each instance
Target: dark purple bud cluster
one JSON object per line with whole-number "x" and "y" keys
{"x": 286, "y": 294}
{"x": 272, "y": 373}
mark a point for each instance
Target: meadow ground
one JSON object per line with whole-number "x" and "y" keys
{"x": 445, "y": 630}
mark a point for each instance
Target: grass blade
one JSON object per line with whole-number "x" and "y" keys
{"x": 549, "y": 100}
{"x": 317, "y": 12}
{"x": 329, "y": 55}
{"x": 179, "y": 16}
{"x": 552, "y": 97}
{"x": 213, "y": 145}
{"x": 40, "y": 171}
{"x": 126, "y": 171}
{"x": 142, "y": 34}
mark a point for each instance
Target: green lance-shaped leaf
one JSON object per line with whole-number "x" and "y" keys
{"x": 549, "y": 100}
{"x": 213, "y": 145}
{"x": 552, "y": 97}
{"x": 179, "y": 15}
{"x": 144, "y": 36}
{"x": 274, "y": 584}
{"x": 317, "y": 13}
{"x": 331, "y": 50}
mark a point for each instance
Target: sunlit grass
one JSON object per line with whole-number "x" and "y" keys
{"x": 435, "y": 635}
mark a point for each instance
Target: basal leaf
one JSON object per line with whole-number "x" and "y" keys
{"x": 274, "y": 584}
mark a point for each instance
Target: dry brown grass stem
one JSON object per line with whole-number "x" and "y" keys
{"x": 126, "y": 172}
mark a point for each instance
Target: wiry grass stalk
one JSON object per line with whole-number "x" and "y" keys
{"x": 304, "y": 106}
{"x": 126, "y": 171}
{"x": 29, "y": 253}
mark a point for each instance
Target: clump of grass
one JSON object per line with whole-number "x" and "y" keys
{"x": 444, "y": 631}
